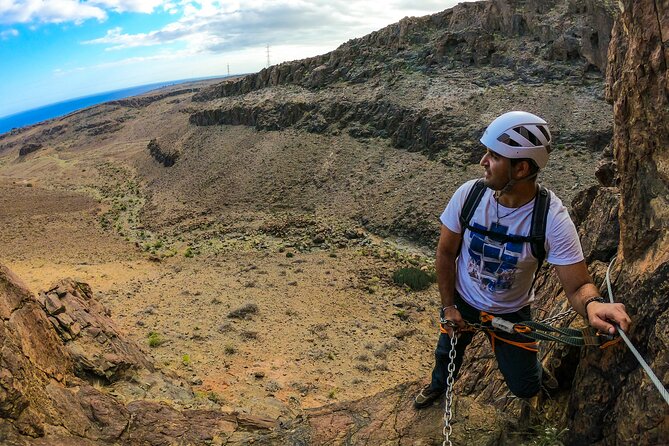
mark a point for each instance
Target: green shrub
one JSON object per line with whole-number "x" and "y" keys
{"x": 229, "y": 349}
{"x": 155, "y": 339}
{"x": 414, "y": 278}
{"x": 214, "y": 397}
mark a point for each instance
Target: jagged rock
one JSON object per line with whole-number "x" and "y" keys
{"x": 94, "y": 342}
{"x": 606, "y": 172}
{"x": 29, "y": 148}
{"x": 43, "y": 402}
{"x": 596, "y": 211}
{"x": 612, "y": 400}
{"x": 166, "y": 158}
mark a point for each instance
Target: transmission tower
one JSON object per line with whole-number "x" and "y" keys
{"x": 268, "y": 55}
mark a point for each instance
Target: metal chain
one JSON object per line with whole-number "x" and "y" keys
{"x": 448, "y": 414}
{"x": 558, "y": 317}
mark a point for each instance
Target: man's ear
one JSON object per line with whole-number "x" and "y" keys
{"x": 522, "y": 169}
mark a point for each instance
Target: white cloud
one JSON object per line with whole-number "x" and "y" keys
{"x": 52, "y": 11}
{"x": 119, "y": 40}
{"x": 145, "y": 6}
{"x": 77, "y": 11}
{"x": 9, "y": 33}
{"x": 215, "y": 26}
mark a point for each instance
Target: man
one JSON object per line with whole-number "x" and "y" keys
{"x": 479, "y": 272}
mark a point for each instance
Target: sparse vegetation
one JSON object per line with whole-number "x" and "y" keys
{"x": 229, "y": 349}
{"x": 214, "y": 397}
{"x": 185, "y": 360}
{"x": 244, "y": 312}
{"x": 402, "y": 314}
{"x": 547, "y": 436}
{"x": 248, "y": 335}
{"x": 155, "y": 339}
{"x": 415, "y": 278}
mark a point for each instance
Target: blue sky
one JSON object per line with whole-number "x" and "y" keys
{"x": 54, "y": 50}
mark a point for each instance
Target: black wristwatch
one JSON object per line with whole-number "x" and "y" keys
{"x": 599, "y": 299}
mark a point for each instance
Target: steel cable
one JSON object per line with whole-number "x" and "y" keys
{"x": 646, "y": 367}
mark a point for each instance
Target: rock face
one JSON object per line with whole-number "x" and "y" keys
{"x": 164, "y": 157}
{"x": 59, "y": 349}
{"x": 469, "y": 48}
{"x": 613, "y": 401}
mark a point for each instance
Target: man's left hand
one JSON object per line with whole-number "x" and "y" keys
{"x": 601, "y": 315}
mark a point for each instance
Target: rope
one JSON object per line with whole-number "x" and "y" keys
{"x": 646, "y": 367}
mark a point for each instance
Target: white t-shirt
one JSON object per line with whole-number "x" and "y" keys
{"x": 497, "y": 277}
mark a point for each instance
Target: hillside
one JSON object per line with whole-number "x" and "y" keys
{"x": 243, "y": 235}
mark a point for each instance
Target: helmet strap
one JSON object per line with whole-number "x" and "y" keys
{"x": 512, "y": 182}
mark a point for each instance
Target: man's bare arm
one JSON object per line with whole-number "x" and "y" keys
{"x": 447, "y": 253}
{"x": 579, "y": 288}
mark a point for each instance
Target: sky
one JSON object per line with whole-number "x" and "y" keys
{"x": 54, "y": 50}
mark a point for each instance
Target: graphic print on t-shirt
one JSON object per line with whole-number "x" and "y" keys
{"x": 492, "y": 264}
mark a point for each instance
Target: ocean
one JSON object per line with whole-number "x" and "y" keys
{"x": 40, "y": 114}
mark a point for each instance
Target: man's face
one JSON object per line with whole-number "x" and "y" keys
{"x": 496, "y": 170}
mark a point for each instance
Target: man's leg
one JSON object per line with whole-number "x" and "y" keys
{"x": 520, "y": 367}
{"x": 437, "y": 385}
{"x": 442, "y": 359}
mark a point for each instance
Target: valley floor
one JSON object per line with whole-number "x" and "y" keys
{"x": 314, "y": 327}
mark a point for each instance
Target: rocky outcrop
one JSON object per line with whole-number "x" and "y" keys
{"x": 143, "y": 101}
{"x": 68, "y": 376}
{"x": 97, "y": 348}
{"x": 100, "y": 127}
{"x": 409, "y": 129}
{"x": 164, "y": 157}
{"x": 29, "y": 148}
{"x": 469, "y": 34}
{"x": 613, "y": 401}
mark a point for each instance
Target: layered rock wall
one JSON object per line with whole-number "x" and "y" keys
{"x": 463, "y": 35}
{"x": 613, "y": 401}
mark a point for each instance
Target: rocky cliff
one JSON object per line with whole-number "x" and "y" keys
{"x": 470, "y": 48}
{"x": 69, "y": 377}
{"x": 613, "y": 401}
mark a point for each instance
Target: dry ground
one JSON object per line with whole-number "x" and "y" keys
{"x": 329, "y": 323}
{"x": 267, "y": 221}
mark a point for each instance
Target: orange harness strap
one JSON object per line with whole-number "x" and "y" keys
{"x": 532, "y": 346}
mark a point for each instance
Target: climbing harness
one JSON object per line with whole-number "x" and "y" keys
{"x": 637, "y": 355}
{"x": 541, "y": 330}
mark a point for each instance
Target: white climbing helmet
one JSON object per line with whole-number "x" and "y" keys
{"x": 519, "y": 134}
